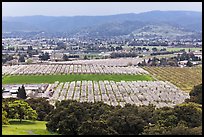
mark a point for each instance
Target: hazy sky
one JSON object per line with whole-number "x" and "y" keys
{"x": 91, "y": 8}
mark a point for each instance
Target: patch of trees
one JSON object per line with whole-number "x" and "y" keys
{"x": 196, "y": 94}
{"x": 176, "y": 121}
{"x": 11, "y": 48}
{"x": 6, "y": 57}
{"x": 135, "y": 43}
{"x": 18, "y": 109}
{"x": 42, "y": 107}
{"x": 5, "y": 106}
{"x": 161, "y": 53}
{"x": 123, "y": 54}
{"x": 85, "y": 57}
{"x": 163, "y": 49}
{"x": 73, "y": 56}
{"x": 188, "y": 56}
{"x": 61, "y": 45}
{"x": 44, "y": 56}
{"x": 160, "y": 62}
{"x": 69, "y": 117}
{"x": 66, "y": 57}
{"x": 34, "y": 108}
{"x": 21, "y": 58}
{"x": 119, "y": 48}
{"x": 154, "y": 49}
{"x": 31, "y": 51}
{"x": 86, "y": 118}
{"x": 157, "y": 44}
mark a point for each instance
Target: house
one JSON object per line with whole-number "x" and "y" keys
{"x": 198, "y": 54}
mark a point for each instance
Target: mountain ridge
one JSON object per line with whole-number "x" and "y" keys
{"x": 189, "y": 20}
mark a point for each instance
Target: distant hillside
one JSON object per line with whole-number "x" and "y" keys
{"x": 121, "y": 24}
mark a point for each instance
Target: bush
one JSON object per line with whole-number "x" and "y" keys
{"x": 4, "y": 118}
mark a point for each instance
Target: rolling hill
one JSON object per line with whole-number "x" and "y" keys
{"x": 112, "y": 25}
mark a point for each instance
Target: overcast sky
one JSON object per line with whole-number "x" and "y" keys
{"x": 92, "y": 8}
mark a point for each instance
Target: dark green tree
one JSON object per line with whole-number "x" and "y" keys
{"x": 21, "y": 93}
{"x": 95, "y": 127}
{"x": 42, "y": 107}
{"x": 85, "y": 57}
{"x": 44, "y": 56}
{"x": 191, "y": 113}
{"x": 21, "y": 58}
{"x": 65, "y": 57}
{"x": 196, "y": 94}
{"x": 69, "y": 115}
{"x": 181, "y": 129}
{"x": 154, "y": 129}
{"x": 125, "y": 122}
{"x": 154, "y": 49}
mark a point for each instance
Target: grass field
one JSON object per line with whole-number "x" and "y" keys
{"x": 27, "y": 79}
{"x": 184, "y": 78}
{"x": 27, "y": 127}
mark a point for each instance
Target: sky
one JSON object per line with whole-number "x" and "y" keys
{"x": 92, "y": 8}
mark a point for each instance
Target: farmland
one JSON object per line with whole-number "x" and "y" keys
{"x": 161, "y": 86}
{"x": 105, "y": 62}
{"x": 69, "y": 69}
{"x": 184, "y": 78}
{"x": 27, "y": 79}
{"x": 25, "y": 74}
{"x": 159, "y": 93}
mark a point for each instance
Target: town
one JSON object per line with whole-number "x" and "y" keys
{"x": 18, "y": 51}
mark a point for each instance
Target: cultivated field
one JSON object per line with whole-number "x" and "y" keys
{"x": 29, "y": 79}
{"x": 184, "y": 78}
{"x": 110, "y": 84}
{"x": 106, "y": 62}
{"x": 69, "y": 69}
{"x": 159, "y": 93}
